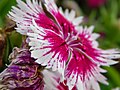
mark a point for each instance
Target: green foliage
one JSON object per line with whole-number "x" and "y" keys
{"x": 107, "y": 23}
{"x": 5, "y": 6}
{"x": 12, "y": 39}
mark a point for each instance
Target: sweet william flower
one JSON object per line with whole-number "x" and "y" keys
{"x": 63, "y": 86}
{"x": 96, "y": 3}
{"x": 58, "y": 41}
{"x": 24, "y": 74}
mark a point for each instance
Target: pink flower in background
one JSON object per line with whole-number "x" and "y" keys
{"x": 60, "y": 43}
{"x": 95, "y": 3}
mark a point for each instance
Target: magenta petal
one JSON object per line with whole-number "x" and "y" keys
{"x": 52, "y": 49}
{"x": 79, "y": 66}
{"x": 47, "y": 23}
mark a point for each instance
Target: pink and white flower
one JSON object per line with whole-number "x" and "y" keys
{"x": 58, "y": 41}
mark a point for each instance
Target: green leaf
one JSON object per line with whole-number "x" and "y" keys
{"x": 5, "y": 6}
{"x": 114, "y": 76}
{"x": 6, "y": 51}
{"x": 15, "y": 39}
{"x": 1, "y": 22}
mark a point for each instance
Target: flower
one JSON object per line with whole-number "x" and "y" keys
{"x": 24, "y": 74}
{"x": 116, "y": 88}
{"x": 63, "y": 86}
{"x": 58, "y": 41}
{"x": 95, "y": 3}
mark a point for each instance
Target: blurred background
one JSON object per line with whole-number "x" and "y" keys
{"x": 103, "y": 14}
